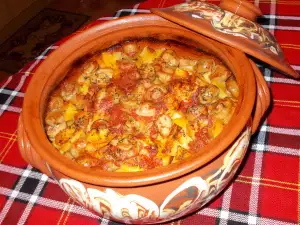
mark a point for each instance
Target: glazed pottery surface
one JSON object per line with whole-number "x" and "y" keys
{"x": 157, "y": 195}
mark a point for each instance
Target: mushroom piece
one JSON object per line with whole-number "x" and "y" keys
{"x": 221, "y": 73}
{"x": 165, "y": 78}
{"x": 52, "y": 131}
{"x": 147, "y": 71}
{"x": 223, "y": 109}
{"x": 131, "y": 49}
{"x": 164, "y": 125}
{"x": 63, "y": 136}
{"x": 146, "y": 83}
{"x": 167, "y": 69}
{"x": 156, "y": 93}
{"x": 139, "y": 93}
{"x": 82, "y": 120}
{"x": 208, "y": 94}
{"x": 145, "y": 110}
{"x": 196, "y": 111}
{"x": 102, "y": 77}
{"x": 206, "y": 64}
{"x": 87, "y": 160}
{"x": 90, "y": 67}
{"x": 68, "y": 90}
{"x": 54, "y": 118}
{"x": 187, "y": 64}
{"x": 232, "y": 87}
{"x": 169, "y": 57}
{"x": 55, "y": 103}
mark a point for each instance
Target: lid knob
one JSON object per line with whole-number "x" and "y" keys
{"x": 242, "y": 8}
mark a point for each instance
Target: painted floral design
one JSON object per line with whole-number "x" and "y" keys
{"x": 193, "y": 193}
{"x": 189, "y": 205}
{"x": 232, "y": 160}
{"x": 126, "y": 208}
{"x": 229, "y": 23}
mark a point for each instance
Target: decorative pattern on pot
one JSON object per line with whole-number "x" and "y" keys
{"x": 76, "y": 191}
{"x": 184, "y": 191}
{"x": 209, "y": 188}
{"x": 232, "y": 160}
{"x": 127, "y": 208}
{"x": 192, "y": 194}
{"x": 229, "y": 23}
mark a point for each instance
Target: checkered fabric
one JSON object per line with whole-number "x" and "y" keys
{"x": 265, "y": 191}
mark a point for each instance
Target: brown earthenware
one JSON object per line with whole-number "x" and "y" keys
{"x": 157, "y": 195}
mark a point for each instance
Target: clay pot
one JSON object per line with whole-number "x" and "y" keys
{"x": 157, "y": 195}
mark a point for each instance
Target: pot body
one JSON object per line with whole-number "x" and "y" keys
{"x": 156, "y": 203}
{"x": 157, "y": 195}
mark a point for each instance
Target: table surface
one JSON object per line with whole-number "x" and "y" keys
{"x": 265, "y": 191}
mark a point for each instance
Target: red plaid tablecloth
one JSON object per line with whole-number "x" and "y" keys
{"x": 265, "y": 191}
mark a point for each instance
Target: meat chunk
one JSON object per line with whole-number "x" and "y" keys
{"x": 129, "y": 75}
{"x": 68, "y": 90}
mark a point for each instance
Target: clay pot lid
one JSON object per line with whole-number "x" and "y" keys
{"x": 232, "y": 23}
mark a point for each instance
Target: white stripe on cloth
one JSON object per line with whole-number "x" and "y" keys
{"x": 44, "y": 53}
{"x": 275, "y": 149}
{"x": 266, "y": 221}
{"x": 60, "y": 205}
{"x": 118, "y": 13}
{"x": 39, "y": 200}
{"x": 22, "y": 80}
{"x": 296, "y": 67}
{"x": 254, "y": 193}
{"x": 282, "y": 17}
{"x": 134, "y": 9}
{"x": 280, "y": 130}
{"x": 20, "y": 172}
{"x": 276, "y": 27}
{"x": 257, "y": 170}
{"x": 70, "y": 209}
{"x": 14, "y": 193}
{"x": 104, "y": 221}
{"x": 268, "y": 76}
{"x": 33, "y": 199}
{"x": 272, "y": 12}
{"x": 9, "y": 92}
{"x": 282, "y": 80}
{"x": 11, "y": 108}
{"x": 49, "y": 203}
{"x": 40, "y": 57}
{"x": 241, "y": 218}
{"x": 224, "y": 213}
{"x": 6, "y": 83}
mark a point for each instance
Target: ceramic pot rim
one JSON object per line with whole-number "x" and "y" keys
{"x": 33, "y": 123}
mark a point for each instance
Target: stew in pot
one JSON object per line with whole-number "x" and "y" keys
{"x": 139, "y": 105}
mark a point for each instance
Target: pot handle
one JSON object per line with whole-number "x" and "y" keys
{"x": 27, "y": 151}
{"x": 244, "y": 9}
{"x": 262, "y": 97}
